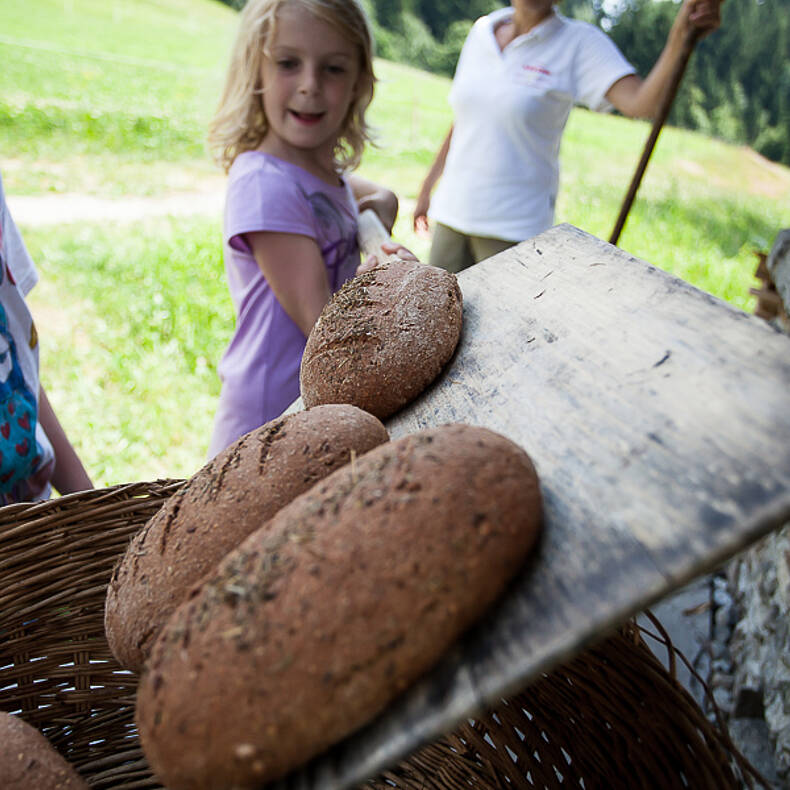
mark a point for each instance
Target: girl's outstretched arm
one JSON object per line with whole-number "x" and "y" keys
{"x": 369, "y": 194}
{"x": 293, "y": 267}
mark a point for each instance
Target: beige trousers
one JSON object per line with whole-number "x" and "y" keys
{"x": 455, "y": 251}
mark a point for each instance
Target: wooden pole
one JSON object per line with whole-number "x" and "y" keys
{"x": 663, "y": 111}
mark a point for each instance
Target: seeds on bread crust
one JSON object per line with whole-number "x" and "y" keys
{"x": 383, "y": 338}
{"x": 230, "y": 497}
{"x": 313, "y": 625}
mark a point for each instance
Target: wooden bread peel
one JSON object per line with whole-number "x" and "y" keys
{"x": 371, "y": 235}
{"x": 662, "y": 442}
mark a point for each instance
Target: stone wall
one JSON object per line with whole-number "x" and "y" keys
{"x": 760, "y": 641}
{"x": 759, "y": 584}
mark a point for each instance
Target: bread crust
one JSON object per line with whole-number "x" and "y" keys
{"x": 29, "y": 762}
{"x": 383, "y": 338}
{"x": 312, "y": 626}
{"x": 230, "y": 497}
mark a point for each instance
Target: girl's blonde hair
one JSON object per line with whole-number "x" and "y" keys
{"x": 240, "y": 123}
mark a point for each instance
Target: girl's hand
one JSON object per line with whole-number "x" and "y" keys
{"x": 389, "y": 249}
{"x": 384, "y": 203}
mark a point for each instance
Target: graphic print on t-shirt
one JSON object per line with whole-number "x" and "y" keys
{"x": 19, "y": 450}
{"x": 335, "y": 227}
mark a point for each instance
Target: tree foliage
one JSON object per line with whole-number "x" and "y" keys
{"x": 389, "y": 14}
{"x": 439, "y": 15}
{"x": 737, "y": 83}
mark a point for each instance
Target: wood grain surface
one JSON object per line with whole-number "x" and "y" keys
{"x": 658, "y": 418}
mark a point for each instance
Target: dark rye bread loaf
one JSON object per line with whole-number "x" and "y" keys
{"x": 383, "y": 338}
{"x": 231, "y": 496}
{"x": 29, "y": 762}
{"x": 318, "y": 620}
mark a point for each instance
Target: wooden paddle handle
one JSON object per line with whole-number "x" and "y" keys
{"x": 372, "y": 234}
{"x": 663, "y": 112}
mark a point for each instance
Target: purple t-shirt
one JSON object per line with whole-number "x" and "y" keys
{"x": 260, "y": 367}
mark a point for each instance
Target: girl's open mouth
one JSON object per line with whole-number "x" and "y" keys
{"x": 307, "y": 117}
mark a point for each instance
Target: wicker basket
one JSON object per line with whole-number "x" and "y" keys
{"x": 611, "y": 718}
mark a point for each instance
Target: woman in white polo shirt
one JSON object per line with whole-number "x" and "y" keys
{"x": 520, "y": 72}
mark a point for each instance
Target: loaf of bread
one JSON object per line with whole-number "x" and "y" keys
{"x": 29, "y": 762}
{"x": 383, "y": 338}
{"x": 230, "y": 497}
{"x": 315, "y": 623}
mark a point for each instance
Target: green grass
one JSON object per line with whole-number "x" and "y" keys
{"x": 129, "y": 357}
{"x": 112, "y": 98}
{"x": 703, "y": 208}
{"x": 94, "y": 81}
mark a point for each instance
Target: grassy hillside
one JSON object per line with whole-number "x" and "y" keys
{"x": 98, "y": 87}
{"x": 112, "y": 99}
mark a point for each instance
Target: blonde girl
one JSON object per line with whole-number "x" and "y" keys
{"x": 289, "y": 127}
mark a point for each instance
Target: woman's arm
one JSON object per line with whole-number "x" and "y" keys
{"x": 368, "y": 194}
{"x": 424, "y": 196}
{"x": 70, "y": 474}
{"x": 640, "y": 98}
{"x": 294, "y": 268}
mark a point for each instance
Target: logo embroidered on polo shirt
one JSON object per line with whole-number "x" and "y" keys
{"x": 532, "y": 74}
{"x": 539, "y": 69}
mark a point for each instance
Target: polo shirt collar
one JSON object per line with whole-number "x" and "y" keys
{"x": 539, "y": 32}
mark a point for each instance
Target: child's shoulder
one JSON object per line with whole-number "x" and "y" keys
{"x": 13, "y": 253}
{"x": 257, "y": 163}
{"x": 261, "y": 165}
{"x": 256, "y": 174}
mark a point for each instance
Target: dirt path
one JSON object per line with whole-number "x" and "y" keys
{"x": 65, "y": 208}
{"x": 44, "y": 210}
